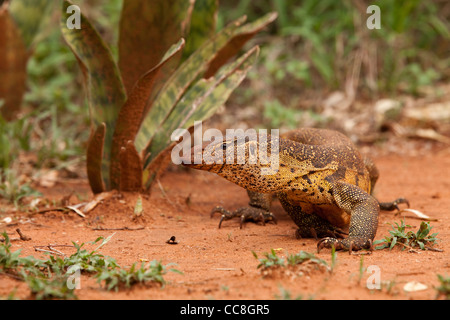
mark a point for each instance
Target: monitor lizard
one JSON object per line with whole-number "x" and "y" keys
{"x": 323, "y": 182}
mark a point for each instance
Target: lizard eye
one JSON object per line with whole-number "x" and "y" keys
{"x": 224, "y": 146}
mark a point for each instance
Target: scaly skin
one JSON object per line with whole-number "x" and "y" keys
{"x": 322, "y": 182}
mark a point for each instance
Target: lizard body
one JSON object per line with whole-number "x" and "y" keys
{"x": 322, "y": 182}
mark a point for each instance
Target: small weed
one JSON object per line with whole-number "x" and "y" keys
{"x": 304, "y": 256}
{"x": 32, "y": 271}
{"x": 87, "y": 261}
{"x": 408, "y": 239}
{"x": 271, "y": 260}
{"x": 153, "y": 272}
{"x": 47, "y": 279}
{"x": 11, "y": 262}
{"x": 49, "y": 288}
{"x": 444, "y": 288}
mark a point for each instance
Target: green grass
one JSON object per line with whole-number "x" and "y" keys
{"x": 318, "y": 47}
{"x": 49, "y": 288}
{"x": 151, "y": 272}
{"x": 47, "y": 279}
{"x": 320, "y": 41}
{"x": 399, "y": 236}
{"x": 272, "y": 260}
{"x": 303, "y": 256}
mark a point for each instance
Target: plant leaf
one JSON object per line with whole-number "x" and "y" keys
{"x": 131, "y": 114}
{"x": 243, "y": 34}
{"x": 147, "y": 30}
{"x": 130, "y": 169}
{"x": 94, "y": 158}
{"x": 419, "y": 214}
{"x": 421, "y": 245}
{"x": 202, "y": 26}
{"x": 13, "y": 57}
{"x": 199, "y": 103}
{"x": 105, "y": 91}
{"x": 197, "y": 64}
{"x": 394, "y": 241}
{"x": 157, "y": 166}
{"x": 180, "y": 80}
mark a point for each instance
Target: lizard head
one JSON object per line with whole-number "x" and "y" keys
{"x": 251, "y": 162}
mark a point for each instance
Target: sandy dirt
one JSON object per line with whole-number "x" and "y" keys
{"x": 218, "y": 263}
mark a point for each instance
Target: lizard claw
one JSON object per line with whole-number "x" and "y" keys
{"x": 345, "y": 244}
{"x": 329, "y": 242}
{"x": 261, "y": 216}
{"x": 245, "y": 214}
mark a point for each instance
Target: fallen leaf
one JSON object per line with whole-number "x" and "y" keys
{"x": 418, "y": 214}
{"x": 414, "y": 286}
{"x": 98, "y": 198}
{"x": 76, "y": 210}
{"x": 431, "y": 135}
{"x": 7, "y": 220}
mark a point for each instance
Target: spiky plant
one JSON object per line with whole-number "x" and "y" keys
{"x": 160, "y": 83}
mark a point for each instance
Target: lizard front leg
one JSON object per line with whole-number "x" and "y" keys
{"x": 258, "y": 210}
{"x": 363, "y": 209}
